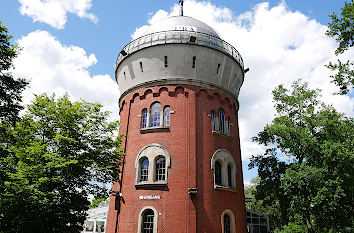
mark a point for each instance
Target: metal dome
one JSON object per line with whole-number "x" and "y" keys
{"x": 181, "y": 23}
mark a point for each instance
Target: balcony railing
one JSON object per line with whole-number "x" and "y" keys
{"x": 180, "y": 37}
{"x": 221, "y": 127}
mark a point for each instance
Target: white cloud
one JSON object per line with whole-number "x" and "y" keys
{"x": 56, "y": 68}
{"x": 280, "y": 46}
{"x": 54, "y": 12}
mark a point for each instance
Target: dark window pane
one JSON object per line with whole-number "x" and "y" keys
{"x": 160, "y": 173}
{"x": 148, "y": 221}
{"x": 218, "y": 173}
{"x": 144, "y": 170}
{"x": 227, "y": 224}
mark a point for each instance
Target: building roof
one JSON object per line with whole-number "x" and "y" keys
{"x": 181, "y": 23}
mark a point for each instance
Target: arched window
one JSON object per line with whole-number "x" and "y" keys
{"x": 227, "y": 223}
{"x": 224, "y": 166}
{"x": 212, "y": 117}
{"x": 151, "y": 166}
{"x": 229, "y": 175}
{"x": 160, "y": 169}
{"x": 166, "y": 116}
{"x": 155, "y": 114}
{"x": 148, "y": 221}
{"x": 221, "y": 116}
{"x": 144, "y": 118}
{"x": 218, "y": 173}
{"x": 144, "y": 169}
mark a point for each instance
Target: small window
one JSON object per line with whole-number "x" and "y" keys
{"x": 125, "y": 76}
{"x": 217, "y": 71}
{"x": 229, "y": 175}
{"x": 227, "y": 223}
{"x": 212, "y": 118}
{"x": 160, "y": 169}
{"x": 148, "y": 221}
{"x": 221, "y": 121}
{"x": 166, "y": 61}
{"x": 166, "y": 116}
{"x": 89, "y": 226}
{"x": 193, "y": 64}
{"x": 155, "y": 114}
{"x": 141, "y": 66}
{"x": 144, "y": 118}
{"x": 144, "y": 169}
{"x": 100, "y": 226}
{"x": 218, "y": 173}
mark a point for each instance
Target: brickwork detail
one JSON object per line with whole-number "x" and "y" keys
{"x": 190, "y": 144}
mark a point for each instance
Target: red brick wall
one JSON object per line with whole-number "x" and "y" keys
{"x": 191, "y": 145}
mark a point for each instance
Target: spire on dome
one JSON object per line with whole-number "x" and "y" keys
{"x": 181, "y": 7}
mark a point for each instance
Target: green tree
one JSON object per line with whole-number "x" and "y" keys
{"x": 10, "y": 88}
{"x": 60, "y": 152}
{"x": 342, "y": 28}
{"x": 309, "y": 164}
{"x": 96, "y": 201}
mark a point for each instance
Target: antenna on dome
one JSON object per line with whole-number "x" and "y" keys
{"x": 181, "y": 7}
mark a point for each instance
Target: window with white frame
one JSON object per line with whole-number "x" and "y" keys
{"x": 155, "y": 114}
{"x": 221, "y": 116}
{"x": 166, "y": 116}
{"x": 148, "y": 221}
{"x": 95, "y": 226}
{"x": 224, "y": 166}
{"x": 148, "y": 218}
{"x": 155, "y": 118}
{"x": 219, "y": 124}
{"x": 144, "y": 169}
{"x": 228, "y": 221}
{"x": 218, "y": 174}
{"x": 160, "y": 169}
{"x": 144, "y": 118}
{"x": 152, "y": 165}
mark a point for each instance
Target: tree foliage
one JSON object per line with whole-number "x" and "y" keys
{"x": 96, "y": 201}
{"x": 10, "y": 88}
{"x": 342, "y": 28}
{"x": 60, "y": 152}
{"x": 309, "y": 164}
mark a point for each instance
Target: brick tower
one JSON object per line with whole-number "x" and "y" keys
{"x": 179, "y": 86}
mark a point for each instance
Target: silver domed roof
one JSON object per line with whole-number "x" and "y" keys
{"x": 181, "y": 23}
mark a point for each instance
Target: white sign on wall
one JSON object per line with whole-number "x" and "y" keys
{"x": 149, "y": 197}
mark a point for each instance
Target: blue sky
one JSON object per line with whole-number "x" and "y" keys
{"x": 71, "y": 46}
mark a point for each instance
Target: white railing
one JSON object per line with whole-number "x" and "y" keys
{"x": 224, "y": 128}
{"x": 180, "y": 37}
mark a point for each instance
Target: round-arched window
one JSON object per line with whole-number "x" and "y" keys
{"x": 166, "y": 116}
{"x": 218, "y": 173}
{"x": 227, "y": 224}
{"x": 144, "y": 169}
{"x": 160, "y": 172}
{"x": 148, "y": 221}
{"x": 155, "y": 114}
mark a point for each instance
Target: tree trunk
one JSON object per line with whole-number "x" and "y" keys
{"x": 308, "y": 224}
